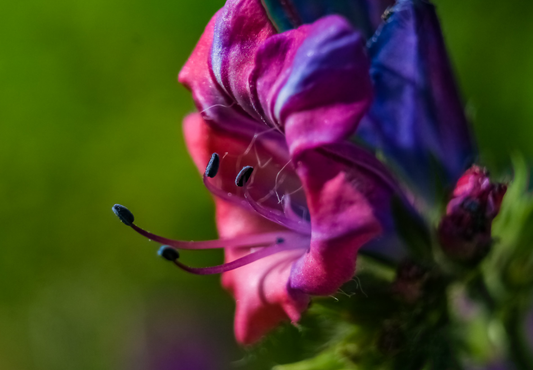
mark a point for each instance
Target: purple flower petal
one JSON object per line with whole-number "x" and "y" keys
{"x": 328, "y": 89}
{"x": 346, "y": 201}
{"x": 285, "y": 104}
{"x": 417, "y": 116}
{"x": 240, "y": 29}
{"x": 215, "y": 106}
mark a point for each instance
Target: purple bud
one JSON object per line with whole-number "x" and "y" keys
{"x": 465, "y": 230}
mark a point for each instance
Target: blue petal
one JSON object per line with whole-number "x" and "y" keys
{"x": 417, "y": 119}
{"x": 363, "y": 14}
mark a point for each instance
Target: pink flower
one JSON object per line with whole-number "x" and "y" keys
{"x": 281, "y": 108}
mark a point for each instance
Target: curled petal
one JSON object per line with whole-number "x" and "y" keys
{"x": 417, "y": 117}
{"x": 196, "y": 76}
{"x": 214, "y": 105}
{"x": 327, "y": 89}
{"x": 346, "y": 203}
{"x": 241, "y": 27}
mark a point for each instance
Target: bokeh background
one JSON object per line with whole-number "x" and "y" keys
{"x": 90, "y": 115}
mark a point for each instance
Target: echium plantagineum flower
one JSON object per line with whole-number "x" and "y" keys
{"x": 280, "y": 96}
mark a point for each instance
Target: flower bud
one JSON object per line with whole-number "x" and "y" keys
{"x": 465, "y": 230}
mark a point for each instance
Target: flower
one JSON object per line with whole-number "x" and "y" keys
{"x": 284, "y": 104}
{"x": 465, "y": 231}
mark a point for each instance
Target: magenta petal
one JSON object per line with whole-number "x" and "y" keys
{"x": 328, "y": 90}
{"x": 261, "y": 291}
{"x": 196, "y": 75}
{"x": 263, "y": 298}
{"x": 273, "y": 65}
{"x": 345, "y": 201}
{"x": 241, "y": 27}
{"x": 388, "y": 245}
{"x": 215, "y": 106}
{"x": 312, "y": 82}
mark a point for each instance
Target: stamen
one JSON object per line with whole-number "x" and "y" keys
{"x": 251, "y": 241}
{"x": 243, "y": 261}
{"x": 211, "y": 171}
{"x": 123, "y": 214}
{"x": 249, "y": 203}
{"x": 168, "y": 253}
{"x": 212, "y": 167}
{"x": 244, "y": 176}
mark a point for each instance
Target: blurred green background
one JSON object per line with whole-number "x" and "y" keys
{"x": 90, "y": 114}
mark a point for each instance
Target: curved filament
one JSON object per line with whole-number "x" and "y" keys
{"x": 229, "y": 197}
{"x": 258, "y": 240}
{"x": 243, "y": 261}
{"x": 300, "y": 226}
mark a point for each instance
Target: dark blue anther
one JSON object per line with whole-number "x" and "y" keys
{"x": 168, "y": 253}
{"x": 244, "y": 176}
{"x": 212, "y": 167}
{"x": 280, "y": 240}
{"x": 123, "y": 214}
